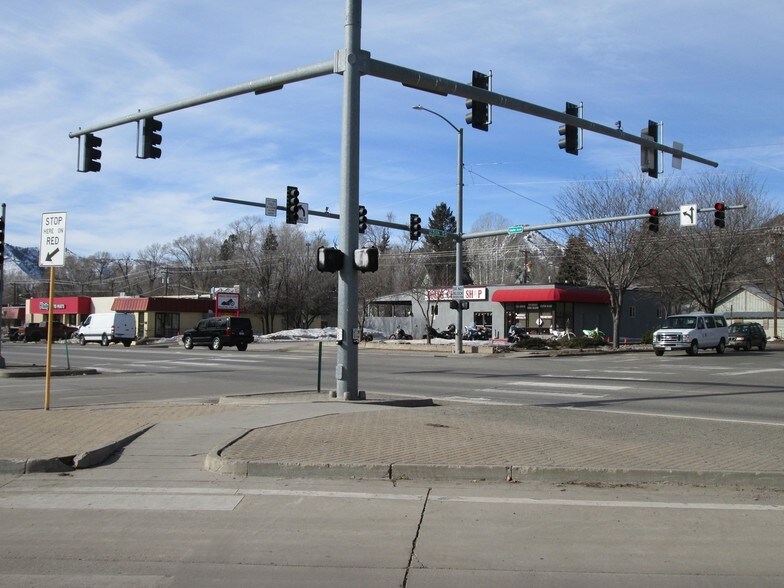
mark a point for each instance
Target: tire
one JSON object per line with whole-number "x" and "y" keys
{"x": 242, "y": 346}
{"x": 763, "y": 345}
{"x": 104, "y": 340}
{"x": 694, "y": 348}
{"x": 187, "y": 342}
{"x": 126, "y": 343}
{"x": 721, "y": 347}
{"x": 659, "y": 352}
{"x": 216, "y": 344}
{"x": 82, "y": 340}
{"x": 747, "y": 346}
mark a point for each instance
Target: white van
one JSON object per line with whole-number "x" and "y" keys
{"x": 108, "y": 327}
{"x": 691, "y": 332}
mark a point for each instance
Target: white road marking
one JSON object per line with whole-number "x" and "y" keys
{"x": 755, "y": 372}
{"x": 676, "y": 416}
{"x": 566, "y": 385}
{"x": 623, "y": 378}
{"x": 164, "y": 498}
{"x": 543, "y": 393}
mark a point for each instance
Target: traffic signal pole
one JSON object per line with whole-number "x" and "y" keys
{"x": 347, "y": 368}
{"x": 351, "y": 62}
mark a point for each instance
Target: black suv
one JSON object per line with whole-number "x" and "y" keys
{"x": 747, "y": 335}
{"x": 219, "y": 332}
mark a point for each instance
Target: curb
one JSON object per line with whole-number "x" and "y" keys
{"x": 86, "y": 459}
{"x": 214, "y": 462}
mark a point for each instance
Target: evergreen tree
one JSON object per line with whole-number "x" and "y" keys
{"x": 572, "y": 269}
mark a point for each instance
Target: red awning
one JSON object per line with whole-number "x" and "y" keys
{"x": 13, "y": 313}
{"x": 555, "y": 294}
{"x": 62, "y": 305}
{"x": 145, "y": 304}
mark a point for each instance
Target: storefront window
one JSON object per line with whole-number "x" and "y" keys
{"x": 167, "y": 324}
{"x": 538, "y": 318}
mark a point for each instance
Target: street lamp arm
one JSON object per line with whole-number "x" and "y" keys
{"x": 443, "y": 118}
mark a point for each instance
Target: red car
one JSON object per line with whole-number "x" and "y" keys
{"x": 32, "y": 332}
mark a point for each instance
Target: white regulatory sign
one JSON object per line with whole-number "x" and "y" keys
{"x": 689, "y": 215}
{"x": 271, "y": 207}
{"x": 52, "y": 250}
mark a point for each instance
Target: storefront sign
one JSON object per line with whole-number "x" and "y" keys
{"x": 469, "y": 293}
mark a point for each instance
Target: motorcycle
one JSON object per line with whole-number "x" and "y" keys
{"x": 401, "y": 335}
{"x": 517, "y": 334}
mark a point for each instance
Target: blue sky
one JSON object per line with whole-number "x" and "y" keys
{"x": 709, "y": 70}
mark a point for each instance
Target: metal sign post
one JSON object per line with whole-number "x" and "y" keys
{"x": 51, "y": 254}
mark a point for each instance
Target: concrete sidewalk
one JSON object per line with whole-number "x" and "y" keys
{"x": 305, "y": 434}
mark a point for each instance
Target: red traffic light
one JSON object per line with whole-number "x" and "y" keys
{"x": 719, "y": 206}
{"x": 653, "y": 220}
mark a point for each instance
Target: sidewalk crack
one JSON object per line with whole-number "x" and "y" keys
{"x": 412, "y": 555}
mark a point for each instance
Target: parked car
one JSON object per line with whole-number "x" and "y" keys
{"x": 39, "y": 331}
{"x": 220, "y": 332}
{"x": 690, "y": 333}
{"x": 747, "y": 335}
{"x": 108, "y": 327}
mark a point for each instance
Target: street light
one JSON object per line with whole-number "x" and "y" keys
{"x": 459, "y": 240}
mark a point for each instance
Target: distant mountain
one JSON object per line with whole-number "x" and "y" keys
{"x": 26, "y": 259}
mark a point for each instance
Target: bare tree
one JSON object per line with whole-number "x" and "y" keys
{"x": 152, "y": 261}
{"x": 615, "y": 252}
{"x": 704, "y": 263}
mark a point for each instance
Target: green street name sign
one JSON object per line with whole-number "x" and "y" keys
{"x": 515, "y": 229}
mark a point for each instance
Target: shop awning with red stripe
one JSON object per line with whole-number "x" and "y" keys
{"x": 160, "y": 304}
{"x": 551, "y": 294}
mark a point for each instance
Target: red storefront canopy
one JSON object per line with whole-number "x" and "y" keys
{"x": 146, "y": 304}
{"x": 62, "y": 305}
{"x": 552, "y": 294}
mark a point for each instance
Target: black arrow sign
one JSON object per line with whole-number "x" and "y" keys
{"x": 50, "y": 256}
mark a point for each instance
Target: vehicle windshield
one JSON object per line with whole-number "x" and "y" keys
{"x": 739, "y": 329}
{"x": 680, "y": 322}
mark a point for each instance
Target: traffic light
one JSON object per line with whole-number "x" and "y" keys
{"x": 414, "y": 227}
{"x": 718, "y": 216}
{"x": 570, "y": 134}
{"x": 329, "y": 259}
{"x": 362, "y": 219}
{"x": 649, "y": 157}
{"x": 91, "y": 154}
{"x": 479, "y": 117}
{"x": 151, "y": 138}
{"x": 292, "y": 205}
{"x": 366, "y": 260}
{"x": 653, "y": 220}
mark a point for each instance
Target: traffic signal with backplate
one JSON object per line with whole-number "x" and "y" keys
{"x": 649, "y": 157}
{"x": 653, "y": 220}
{"x": 362, "y": 219}
{"x": 479, "y": 117}
{"x": 292, "y": 205}
{"x": 150, "y": 138}
{"x": 90, "y": 154}
{"x": 414, "y": 227}
{"x": 570, "y": 134}
{"x": 719, "y": 214}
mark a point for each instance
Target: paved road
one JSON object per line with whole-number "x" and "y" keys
{"x": 156, "y": 523}
{"x": 734, "y": 386}
{"x": 152, "y": 517}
